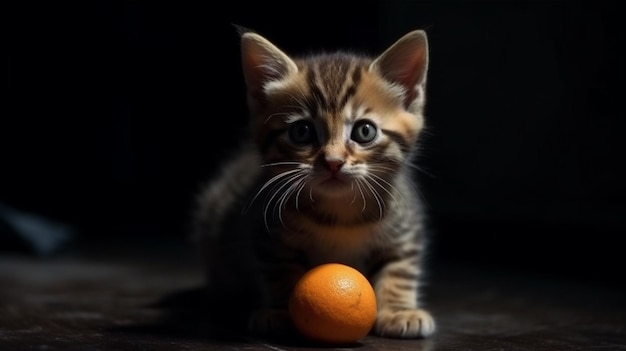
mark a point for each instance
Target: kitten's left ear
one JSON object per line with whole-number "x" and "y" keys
{"x": 263, "y": 63}
{"x": 405, "y": 63}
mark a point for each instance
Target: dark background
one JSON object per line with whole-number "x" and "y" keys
{"x": 115, "y": 112}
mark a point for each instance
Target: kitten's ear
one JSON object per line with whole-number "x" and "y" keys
{"x": 263, "y": 63}
{"x": 405, "y": 63}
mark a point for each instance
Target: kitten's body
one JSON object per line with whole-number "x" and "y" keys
{"x": 326, "y": 178}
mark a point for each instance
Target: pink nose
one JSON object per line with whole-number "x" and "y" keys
{"x": 334, "y": 164}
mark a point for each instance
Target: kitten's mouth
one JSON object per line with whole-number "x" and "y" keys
{"x": 334, "y": 186}
{"x": 335, "y": 181}
{"x": 335, "y": 177}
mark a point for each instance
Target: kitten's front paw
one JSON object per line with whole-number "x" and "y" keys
{"x": 270, "y": 322}
{"x": 404, "y": 323}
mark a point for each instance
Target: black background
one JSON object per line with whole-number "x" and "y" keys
{"x": 115, "y": 112}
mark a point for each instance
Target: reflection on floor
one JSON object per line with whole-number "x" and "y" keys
{"x": 115, "y": 298}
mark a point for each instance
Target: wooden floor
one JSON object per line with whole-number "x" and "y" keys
{"x": 115, "y": 299}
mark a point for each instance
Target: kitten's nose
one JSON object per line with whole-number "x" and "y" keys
{"x": 334, "y": 164}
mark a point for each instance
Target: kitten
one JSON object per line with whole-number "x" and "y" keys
{"x": 326, "y": 177}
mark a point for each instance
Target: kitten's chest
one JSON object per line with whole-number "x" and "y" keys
{"x": 349, "y": 245}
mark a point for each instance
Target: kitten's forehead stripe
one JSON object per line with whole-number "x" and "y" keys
{"x": 317, "y": 101}
{"x": 332, "y": 80}
{"x": 351, "y": 89}
{"x": 326, "y": 86}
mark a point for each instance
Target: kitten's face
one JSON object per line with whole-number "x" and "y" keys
{"x": 335, "y": 128}
{"x": 344, "y": 132}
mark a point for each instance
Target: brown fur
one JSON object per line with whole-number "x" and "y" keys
{"x": 326, "y": 178}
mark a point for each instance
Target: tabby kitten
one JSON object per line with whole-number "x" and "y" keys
{"x": 326, "y": 177}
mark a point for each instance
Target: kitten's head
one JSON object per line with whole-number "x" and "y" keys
{"x": 336, "y": 127}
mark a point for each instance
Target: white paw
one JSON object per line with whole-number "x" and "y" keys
{"x": 404, "y": 324}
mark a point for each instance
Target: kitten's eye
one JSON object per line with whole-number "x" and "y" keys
{"x": 363, "y": 132}
{"x": 302, "y": 132}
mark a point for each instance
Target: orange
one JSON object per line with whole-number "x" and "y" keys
{"x": 333, "y": 303}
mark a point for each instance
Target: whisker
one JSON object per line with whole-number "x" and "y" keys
{"x": 283, "y": 163}
{"x": 301, "y": 104}
{"x": 408, "y": 179}
{"x": 385, "y": 189}
{"x": 420, "y": 169}
{"x": 276, "y": 114}
{"x": 352, "y": 189}
{"x": 268, "y": 183}
{"x": 376, "y": 197}
{"x": 287, "y": 194}
{"x": 303, "y": 184}
{"x": 284, "y": 183}
{"x": 377, "y": 166}
{"x": 358, "y": 184}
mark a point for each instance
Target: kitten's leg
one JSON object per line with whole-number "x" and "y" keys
{"x": 399, "y": 315}
{"x": 273, "y": 317}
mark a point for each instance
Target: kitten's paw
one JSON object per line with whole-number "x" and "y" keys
{"x": 416, "y": 323}
{"x": 270, "y": 322}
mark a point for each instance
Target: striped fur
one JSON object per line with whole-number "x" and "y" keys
{"x": 327, "y": 177}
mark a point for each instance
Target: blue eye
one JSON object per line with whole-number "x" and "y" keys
{"x": 364, "y": 132}
{"x": 302, "y": 132}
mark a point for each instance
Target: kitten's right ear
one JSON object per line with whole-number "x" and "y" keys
{"x": 405, "y": 63}
{"x": 263, "y": 63}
